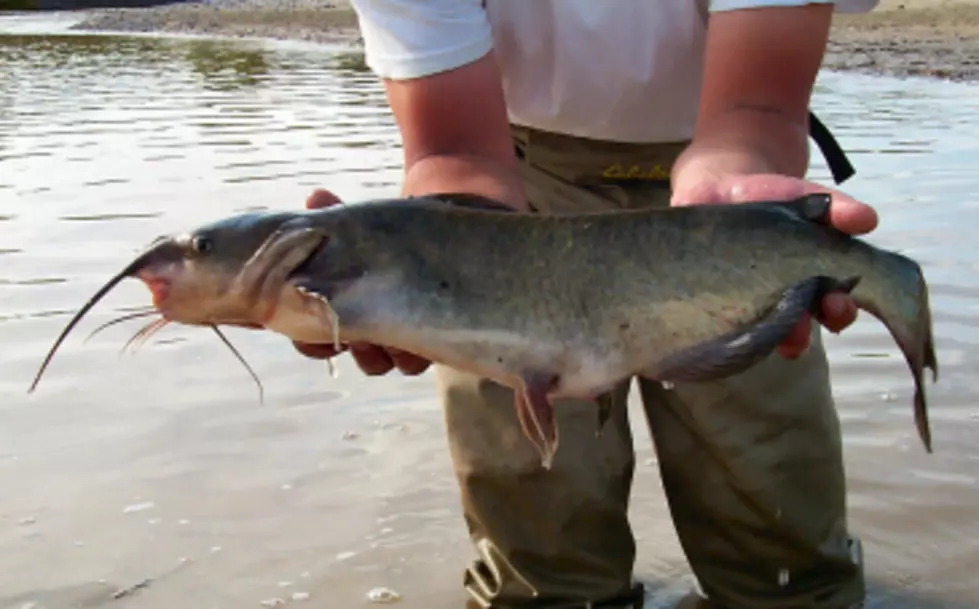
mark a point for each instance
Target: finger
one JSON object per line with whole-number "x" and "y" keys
{"x": 315, "y": 351}
{"x": 798, "y": 339}
{"x": 321, "y": 198}
{"x": 838, "y": 312}
{"x": 408, "y": 363}
{"x": 851, "y": 216}
{"x": 373, "y": 360}
{"x": 845, "y": 213}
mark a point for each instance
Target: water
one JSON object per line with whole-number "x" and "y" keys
{"x": 164, "y": 465}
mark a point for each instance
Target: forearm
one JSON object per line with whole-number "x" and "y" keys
{"x": 466, "y": 173}
{"x": 753, "y": 110}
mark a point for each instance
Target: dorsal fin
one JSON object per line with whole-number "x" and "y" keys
{"x": 470, "y": 201}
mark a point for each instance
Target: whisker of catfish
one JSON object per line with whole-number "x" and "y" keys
{"x": 224, "y": 339}
{"x": 150, "y": 327}
{"x": 120, "y": 319}
{"x": 156, "y": 327}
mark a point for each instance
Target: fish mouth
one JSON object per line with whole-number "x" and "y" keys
{"x": 157, "y": 284}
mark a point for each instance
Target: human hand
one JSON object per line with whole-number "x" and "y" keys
{"x": 372, "y": 359}
{"x": 846, "y": 214}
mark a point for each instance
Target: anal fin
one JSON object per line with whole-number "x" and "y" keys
{"x": 536, "y": 415}
{"x": 736, "y": 351}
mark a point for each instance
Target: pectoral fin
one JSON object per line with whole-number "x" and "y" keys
{"x": 536, "y": 415}
{"x": 735, "y": 352}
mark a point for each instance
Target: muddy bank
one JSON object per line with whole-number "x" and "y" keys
{"x": 924, "y": 38}
{"x": 916, "y": 37}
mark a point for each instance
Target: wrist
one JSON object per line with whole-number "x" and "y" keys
{"x": 743, "y": 143}
{"x": 468, "y": 174}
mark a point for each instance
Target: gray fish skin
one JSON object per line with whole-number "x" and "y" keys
{"x": 568, "y": 305}
{"x": 550, "y": 305}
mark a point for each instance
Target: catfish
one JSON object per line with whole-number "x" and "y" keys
{"x": 551, "y": 305}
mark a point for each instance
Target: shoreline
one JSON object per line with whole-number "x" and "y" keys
{"x": 930, "y": 38}
{"x": 314, "y": 21}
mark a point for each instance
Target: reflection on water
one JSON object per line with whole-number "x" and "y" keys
{"x": 224, "y": 68}
{"x": 164, "y": 465}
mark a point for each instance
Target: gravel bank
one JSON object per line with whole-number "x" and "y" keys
{"x": 902, "y": 37}
{"x": 310, "y": 20}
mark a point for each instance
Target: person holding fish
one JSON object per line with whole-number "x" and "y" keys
{"x": 571, "y": 105}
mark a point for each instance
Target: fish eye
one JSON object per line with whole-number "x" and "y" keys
{"x": 201, "y": 244}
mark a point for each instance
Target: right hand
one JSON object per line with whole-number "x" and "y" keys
{"x": 374, "y": 360}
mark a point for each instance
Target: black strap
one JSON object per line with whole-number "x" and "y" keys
{"x": 836, "y": 159}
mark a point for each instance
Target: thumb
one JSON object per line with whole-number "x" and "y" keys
{"x": 321, "y": 198}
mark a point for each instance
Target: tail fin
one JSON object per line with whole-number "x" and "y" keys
{"x": 894, "y": 291}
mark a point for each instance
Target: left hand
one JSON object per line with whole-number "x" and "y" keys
{"x": 373, "y": 360}
{"x": 846, "y": 214}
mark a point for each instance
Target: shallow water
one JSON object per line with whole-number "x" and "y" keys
{"x": 165, "y": 465}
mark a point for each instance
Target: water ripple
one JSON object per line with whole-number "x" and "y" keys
{"x": 106, "y": 142}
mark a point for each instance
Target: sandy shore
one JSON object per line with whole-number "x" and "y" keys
{"x": 902, "y": 37}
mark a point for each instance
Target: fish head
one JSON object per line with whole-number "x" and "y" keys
{"x": 226, "y": 273}
{"x": 229, "y": 272}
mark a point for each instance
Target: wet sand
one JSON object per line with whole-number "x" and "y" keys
{"x": 901, "y": 37}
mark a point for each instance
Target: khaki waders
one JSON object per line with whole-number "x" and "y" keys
{"x": 752, "y": 466}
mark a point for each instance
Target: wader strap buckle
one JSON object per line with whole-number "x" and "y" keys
{"x": 836, "y": 159}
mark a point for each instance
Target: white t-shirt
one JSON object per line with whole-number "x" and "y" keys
{"x": 622, "y": 70}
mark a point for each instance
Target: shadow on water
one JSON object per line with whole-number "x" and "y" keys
{"x": 353, "y": 62}
{"x": 225, "y": 68}
{"x": 343, "y": 485}
{"x": 80, "y": 52}
{"x": 213, "y": 60}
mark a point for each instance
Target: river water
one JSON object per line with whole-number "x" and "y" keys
{"x": 165, "y": 466}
